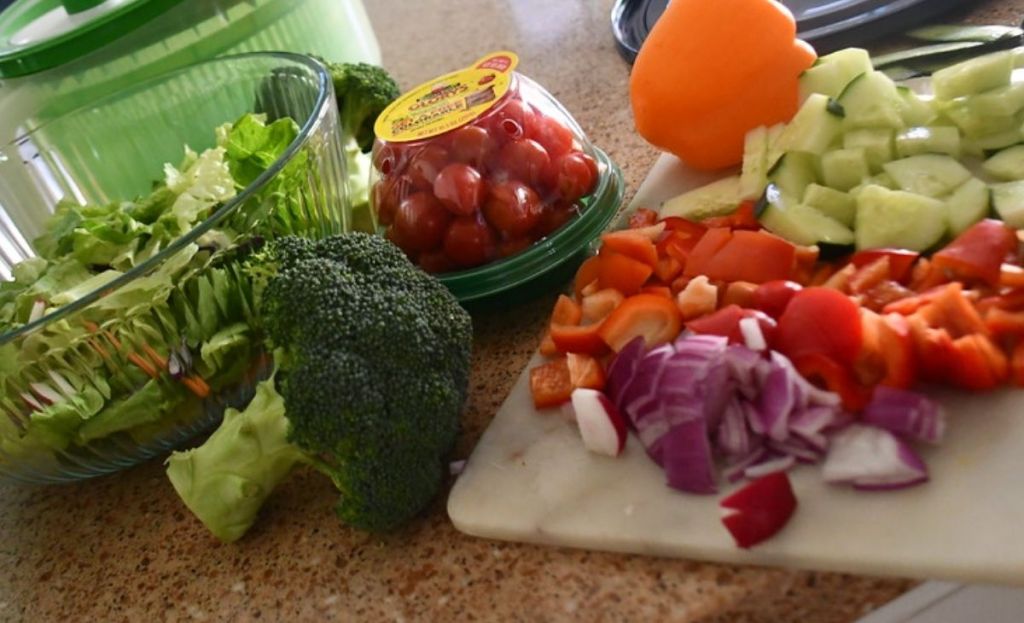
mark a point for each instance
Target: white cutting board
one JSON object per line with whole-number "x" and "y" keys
{"x": 529, "y": 479}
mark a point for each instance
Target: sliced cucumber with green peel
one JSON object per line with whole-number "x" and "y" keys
{"x": 843, "y": 169}
{"x": 831, "y": 202}
{"x": 774, "y": 153}
{"x": 754, "y": 175}
{"x": 1008, "y": 200}
{"x": 967, "y": 205}
{"x": 914, "y": 110}
{"x": 877, "y": 144}
{"x": 932, "y": 175}
{"x": 814, "y": 127}
{"x": 871, "y": 101}
{"x": 832, "y": 72}
{"x": 894, "y": 218}
{"x": 1007, "y": 165}
{"x": 798, "y": 223}
{"x": 715, "y": 199}
{"x": 1000, "y": 102}
{"x": 974, "y": 124}
{"x": 978, "y": 146}
{"x": 972, "y": 76}
{"x": 928, "y": 140}
{"x": 794, "y": 171}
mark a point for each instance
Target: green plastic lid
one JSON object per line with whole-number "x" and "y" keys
{"x": 36, "y": 35}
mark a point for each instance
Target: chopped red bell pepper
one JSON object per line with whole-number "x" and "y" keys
{"x": 901, "y": 261}
{"x": 820, "y": 320}
{"x": 654, "y": 317}
{"x": 726, "y": 322}
{"x": 586, "y": 274}
{"x": 566, "y": 311}
{"x": 760, "y": 509}
{"x": 754, "y": 256}
{"x": 705, "y": 250}
{"x": 978, "y": 253}
{"x": 631, "y": 243}
{"x": 585, "y": 371}
{"x": 550, "y": 384}
{"x": 584, "y": 339}
{"x": 622, "y": 272}
{"x": 835, "y": 377}
{"x": 598, "y": 305}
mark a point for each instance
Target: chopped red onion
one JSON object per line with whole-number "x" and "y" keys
{"x": 753, "y": 337}
{"x": 776, "y": 464}
{"x": 734, "y": 471}
{"x": 872, "y": 458}
{"x": 686, "y": 455}
{"x": 621, "y": 369}
{"x": 905, "y": 413}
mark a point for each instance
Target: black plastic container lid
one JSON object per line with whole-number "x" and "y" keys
{"x": 826, "y": 24}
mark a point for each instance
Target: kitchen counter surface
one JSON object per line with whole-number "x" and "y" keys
{"x": 123, "y": 548}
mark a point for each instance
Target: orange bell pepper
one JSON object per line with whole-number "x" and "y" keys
{"x": 709, "y": 72}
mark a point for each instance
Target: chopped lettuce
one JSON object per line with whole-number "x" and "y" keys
{"x": 108, "y": 369}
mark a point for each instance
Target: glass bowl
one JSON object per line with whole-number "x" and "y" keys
{"x": 133, "y": 362}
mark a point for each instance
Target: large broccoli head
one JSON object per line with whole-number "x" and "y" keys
{"x": 372, "y": 361}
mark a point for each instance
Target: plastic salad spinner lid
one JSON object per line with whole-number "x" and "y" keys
{"x": 36, "y": 35}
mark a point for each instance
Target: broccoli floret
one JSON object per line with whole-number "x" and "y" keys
{"x": 372, "y": 363}
{"x": 363, "y": 92}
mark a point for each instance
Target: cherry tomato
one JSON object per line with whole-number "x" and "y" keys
{"x": 512, "y": 208}
{"x": 555, "y": 215}
{"x": 387, "y": 157}
{"x": 387, "y": 195}
{"x": 426, "y": 164}
{"x": 575, "y": 175}
{"x": 820, "y": 320}
{"x": 473, "y": 145}
{"x": 513, "y": 120}
{"x": 552, "y": 134}
{"x": 435, "y": 261}
{"x": 524, "y": 160}
{"x": 460, "y": 188}
{"x": 469, "y": 241}
{"x": 420, "y": 222}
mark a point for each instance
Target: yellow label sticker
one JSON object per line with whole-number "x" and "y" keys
{"x": 447, "y": 102}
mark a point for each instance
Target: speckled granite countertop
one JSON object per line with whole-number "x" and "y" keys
{"x": 123, "y": 548}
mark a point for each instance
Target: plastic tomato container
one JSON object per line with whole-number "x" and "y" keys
{"x": 485, "y": 180}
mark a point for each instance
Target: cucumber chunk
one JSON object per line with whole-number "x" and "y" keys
{"x": 925, "y": 140}
{"x": 877, "y": 144}
{"x": 832, "y": 72}
{"x": 1008, "y": 200}
{"x": 967, "y": 205}
{"x": 999, "y": 102}
{"x": 913, "y": 108}
{"x": 1007, "y": 165}
{"x": 932, "y": 175}
{"x": 871, "y": 101}
{"x": 894, "y": 218}
{"x": 978, "y": 146}
{"x": 794, "y": 171}
{"x": 715, "y": 199}
{"x": 974, "y": 124}
{"x": 973, "y": 76}
{"x": 754, "y": 174}
{"x": 774, "y": 153}
{"x": 814, "y": 127}
{"x": 832, "y": 203}
{"x": 798, "y": 223}
{"x": 843, "y": 169}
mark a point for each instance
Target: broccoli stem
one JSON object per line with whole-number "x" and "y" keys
{"x": 225, "y": 481}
